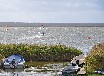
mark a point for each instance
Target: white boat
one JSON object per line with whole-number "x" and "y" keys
{"x": 14, "y": 61}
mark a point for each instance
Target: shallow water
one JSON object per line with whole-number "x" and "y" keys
{"x": 46, "y": 70}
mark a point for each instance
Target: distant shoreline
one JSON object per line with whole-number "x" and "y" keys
{"x": 22, "y": 24}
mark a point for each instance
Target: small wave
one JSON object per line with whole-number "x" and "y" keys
{"x": 32, "y": 37}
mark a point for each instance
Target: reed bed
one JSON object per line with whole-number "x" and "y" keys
{"x": 42, "y": 52}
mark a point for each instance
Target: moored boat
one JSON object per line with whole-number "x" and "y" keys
{"x": 14, "y": 61}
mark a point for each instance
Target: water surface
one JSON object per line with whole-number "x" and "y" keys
{"x": 83, "y": 38}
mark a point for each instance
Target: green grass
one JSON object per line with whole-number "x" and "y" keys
{"x": 95, "y": 75}
{"x": 35, "y": 64}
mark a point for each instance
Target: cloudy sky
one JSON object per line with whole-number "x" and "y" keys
{"x": 64, "y": 11}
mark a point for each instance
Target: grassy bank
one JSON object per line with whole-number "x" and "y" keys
{"x": 95, "y": 75}
{"x": 40, "y": 64}
{"x": 36, "y": 52}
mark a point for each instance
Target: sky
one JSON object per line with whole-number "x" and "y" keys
{"x": 52, "y": 11}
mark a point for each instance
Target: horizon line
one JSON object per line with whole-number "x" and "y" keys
{"x": 24, "y": 24}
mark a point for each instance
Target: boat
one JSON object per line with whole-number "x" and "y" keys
{"x": 14, "y": 61}
{"x": 75, "y": 66}
{"x": 70, "y": 69}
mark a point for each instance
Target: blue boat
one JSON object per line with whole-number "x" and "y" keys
{"x": 14, "y": 61}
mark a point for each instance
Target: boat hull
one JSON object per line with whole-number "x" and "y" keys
{"x": 16, "y": 67}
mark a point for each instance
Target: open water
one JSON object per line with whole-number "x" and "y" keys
{"x": 83, "y": 38}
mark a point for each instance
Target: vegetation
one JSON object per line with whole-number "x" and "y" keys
{"x": 95, "y": 59}
{"x": 95, "y": 75}
{"x": 1, "y": 57}
{"x": 37, "y": 64}
{"x": 34, "y": 52}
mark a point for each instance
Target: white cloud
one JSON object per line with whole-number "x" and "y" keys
{"x": 52, "y": 11}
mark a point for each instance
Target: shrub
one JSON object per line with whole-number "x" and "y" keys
{"x": 95, "y": 59}
{"x": 34, "y": 52}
